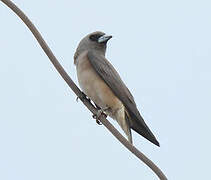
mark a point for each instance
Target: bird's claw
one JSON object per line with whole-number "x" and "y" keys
{"x": 97, "y": 120}
{"x": 97, "y": 116}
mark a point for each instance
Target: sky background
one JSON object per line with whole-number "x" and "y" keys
{"x": 162, "y": 50}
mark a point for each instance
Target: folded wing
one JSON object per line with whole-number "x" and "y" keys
{"x": 111, "y": 77}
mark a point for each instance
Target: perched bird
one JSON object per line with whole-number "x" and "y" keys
{"x": 102, "y": 84}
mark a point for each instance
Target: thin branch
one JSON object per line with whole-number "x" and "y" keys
{"x": 77, "y": 91}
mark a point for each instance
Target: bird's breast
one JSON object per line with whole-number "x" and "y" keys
{"x": 95, "y": 87}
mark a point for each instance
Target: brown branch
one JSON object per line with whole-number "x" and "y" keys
{"x": 77, "y": 91}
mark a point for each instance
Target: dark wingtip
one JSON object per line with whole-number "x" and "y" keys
{"x": 145, "y": 132}
{"x": 153, "y": 140}
{"x": 156, "y": 143}
{"x": 141, "y": 128}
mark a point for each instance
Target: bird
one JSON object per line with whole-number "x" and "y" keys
{"x": 101, "y": 83}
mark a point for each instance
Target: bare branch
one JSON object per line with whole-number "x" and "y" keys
{"x": 77, "y": 91}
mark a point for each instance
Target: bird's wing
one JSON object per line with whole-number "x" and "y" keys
{"x": 111, "y": 77}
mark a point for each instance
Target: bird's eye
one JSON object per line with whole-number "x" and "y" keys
{"x": 95, "y": 37}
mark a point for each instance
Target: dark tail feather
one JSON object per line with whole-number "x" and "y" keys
{"x": 141, "y": 128}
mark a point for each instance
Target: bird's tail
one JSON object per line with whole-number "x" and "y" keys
{"x": 141, "y": 128}
{"x": 123, "y": 120}
{"x": 129, "y": 135}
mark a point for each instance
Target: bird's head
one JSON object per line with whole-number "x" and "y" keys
{"x": 96, "y": 41}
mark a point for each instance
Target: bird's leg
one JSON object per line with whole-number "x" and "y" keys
{"x": 99, "y": 113}
{"x": 95, "y": 116}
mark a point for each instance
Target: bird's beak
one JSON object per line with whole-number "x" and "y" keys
{"x": 104, "y": 38}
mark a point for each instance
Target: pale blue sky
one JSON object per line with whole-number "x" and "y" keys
{"x": 162, "y": 49}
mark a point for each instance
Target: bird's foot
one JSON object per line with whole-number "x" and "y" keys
{"x": 97, "y": 116}
{"x": 98, "y": 122}
{"x": 100, "y": 112}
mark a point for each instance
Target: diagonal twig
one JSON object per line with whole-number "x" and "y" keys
{"x": 79, "y": 94}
